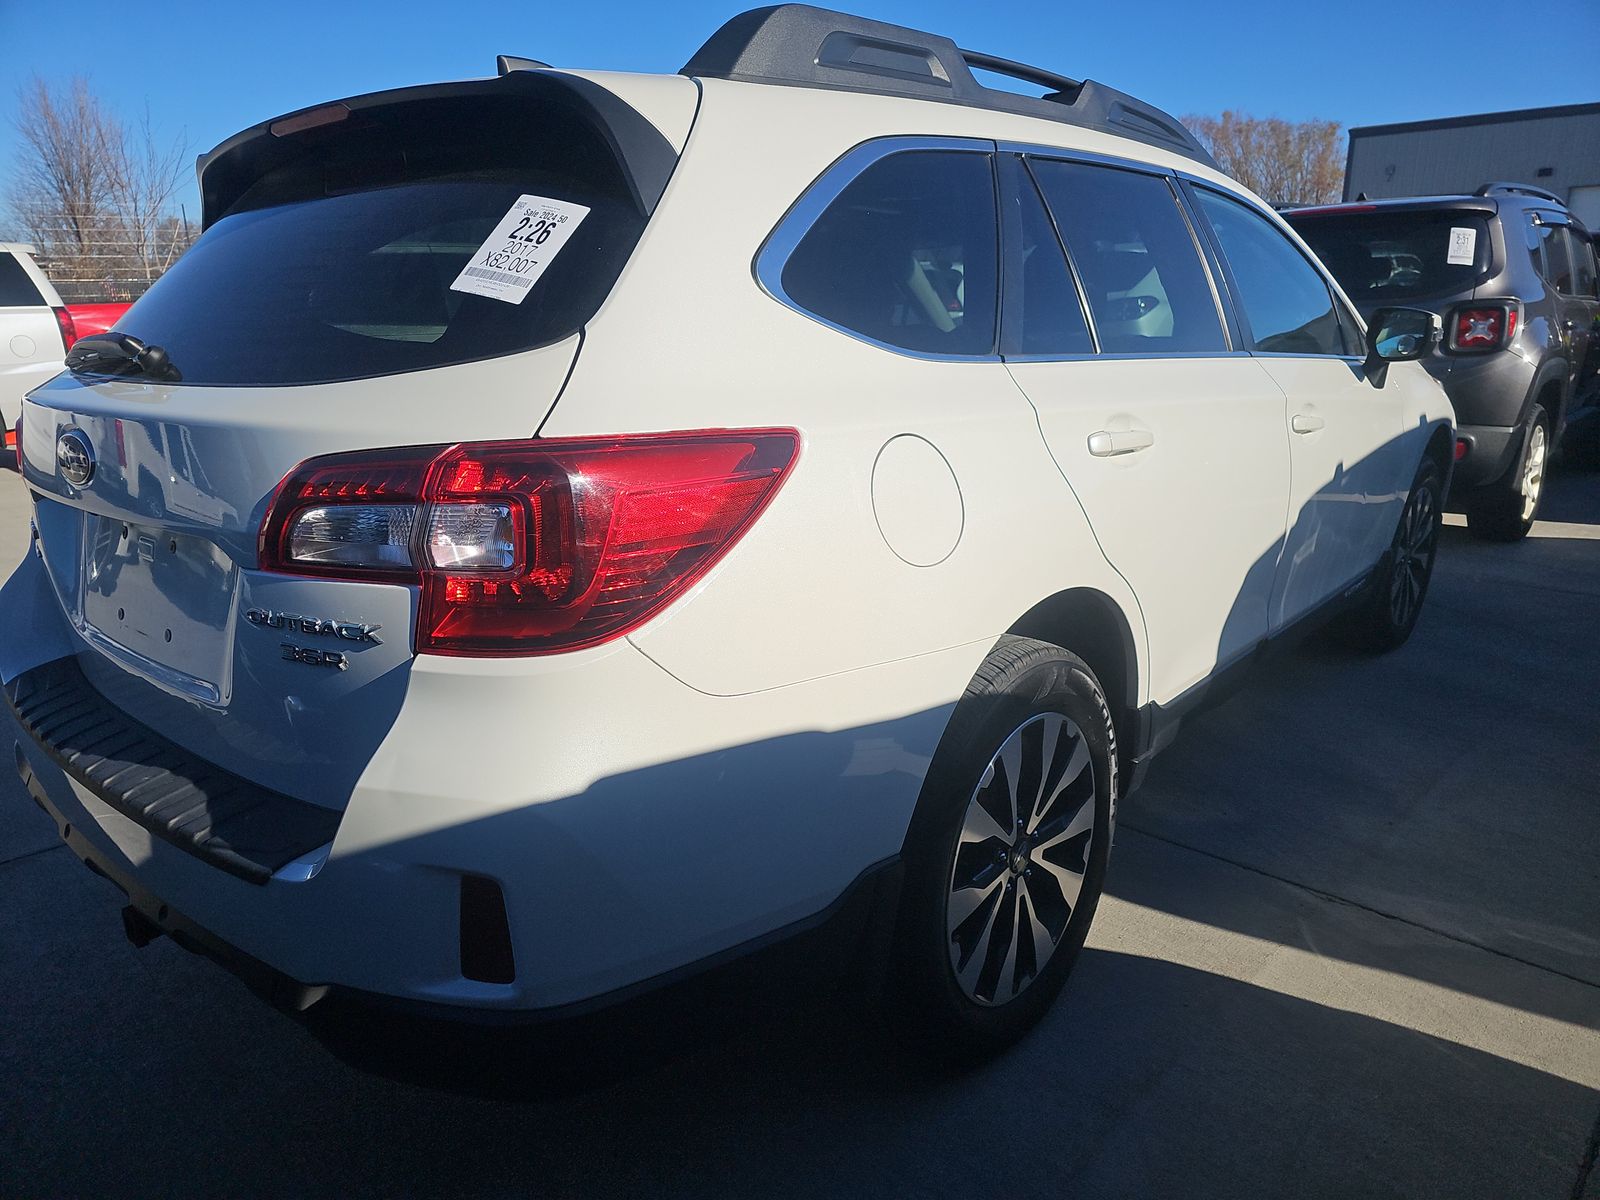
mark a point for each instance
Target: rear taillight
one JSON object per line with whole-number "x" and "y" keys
{"x": 528, "y": 547}
{"x": 69, "y": 330}
{"x": 1483, "y": 328}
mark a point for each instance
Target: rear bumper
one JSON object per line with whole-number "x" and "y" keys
{"x": 1492, "y": 451}
{"x": 636, "y": 827}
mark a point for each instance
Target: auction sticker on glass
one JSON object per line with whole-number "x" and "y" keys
{"x": 1463, "y": 247}
{"x": 522, "y": 245}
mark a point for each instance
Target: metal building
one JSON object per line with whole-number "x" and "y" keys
{"x": 1557, "y": 149}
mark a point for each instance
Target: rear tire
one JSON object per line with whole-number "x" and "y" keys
{"x": 1505, "y": 511}
{"x": 1389, "y": 610}
{"x": 1006, "y": 856}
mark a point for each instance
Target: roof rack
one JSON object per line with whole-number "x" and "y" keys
{"x": 1519, "y": 189}
{"x": 802, "y": 46}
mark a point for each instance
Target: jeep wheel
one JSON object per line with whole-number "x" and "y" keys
{"x": 1505, "y": 511}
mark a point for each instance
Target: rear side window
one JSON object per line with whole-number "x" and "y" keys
{"x": 1583, "y": 263}
{"x": 16, "y": 287}
{"x": 1286, "y": 303}
{"x": 1383, "y": 258}
{"x": 1556, "y": 254}
{"x": 1146, "y": 285}
{"x": 906, "y": 255}
{"x": 1050, "y": 319}
{"x": 339, "y": 263}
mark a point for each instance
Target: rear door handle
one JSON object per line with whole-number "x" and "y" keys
{"x": 1106, "y": 444}
{"x": 1306, "y": 423}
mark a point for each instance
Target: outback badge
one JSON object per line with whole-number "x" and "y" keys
{"x": 350, "y": 631}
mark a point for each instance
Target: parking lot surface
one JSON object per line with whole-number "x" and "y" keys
{"x": 1350, "y": 947}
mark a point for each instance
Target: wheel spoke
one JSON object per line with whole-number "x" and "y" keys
{"x": 1043, "y": 944}
{"x": 966, "y": 901}
{"x": 1050, "y": 736}
{"x": 1005, "y": 986}
{"x": 980, "y": 825}
{"x": 969, "y": 970}
{"x": 1069, "y": 880}
{"x": 1076, "y": 765}
{"x": 1010, "y": 760}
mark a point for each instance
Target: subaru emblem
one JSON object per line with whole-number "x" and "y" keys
{"x": 75, "y": 457}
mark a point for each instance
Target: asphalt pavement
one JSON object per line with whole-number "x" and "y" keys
{"x": 1350, "y": 948}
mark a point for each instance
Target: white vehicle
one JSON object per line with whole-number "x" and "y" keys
{"x": 35, "y": 331}
{"x": 605, "y": 523}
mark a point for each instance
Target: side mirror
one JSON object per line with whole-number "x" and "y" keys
{"x": 1402, "y": 334}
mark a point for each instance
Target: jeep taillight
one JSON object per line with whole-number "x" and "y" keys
{"x": 528, "y": 547}
{"x": 1483, "y": 328}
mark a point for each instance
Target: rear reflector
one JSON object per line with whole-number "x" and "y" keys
{"x": 1483, "y": 328}
{"x": 529, "y": 547}
{"x": 1463, "y": 448}
{"x": 485, "y": 932}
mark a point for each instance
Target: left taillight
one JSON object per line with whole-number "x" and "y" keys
{"x": 528, "y": 547}
{"x": 68, "y": 327}
{"x": 1483, "y": 327}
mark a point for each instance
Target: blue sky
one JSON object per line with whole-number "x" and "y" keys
{"x": 209, "y": 69}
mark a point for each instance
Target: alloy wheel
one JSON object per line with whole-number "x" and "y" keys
{"x": 1414, "y": 545}
{"x": 1020, "y": 859}
{"x": 1533, "y": 472}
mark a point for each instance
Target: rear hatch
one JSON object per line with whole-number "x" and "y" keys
{"x": 1432, "y": 257}
{"x": 358, "y": 285}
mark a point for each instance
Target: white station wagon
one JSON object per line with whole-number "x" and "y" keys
{"x": 556, "y": 533}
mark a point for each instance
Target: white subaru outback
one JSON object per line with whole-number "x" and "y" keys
{"x": 558, "y": 532}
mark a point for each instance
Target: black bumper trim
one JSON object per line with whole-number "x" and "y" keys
{"x": 224, "y": 819}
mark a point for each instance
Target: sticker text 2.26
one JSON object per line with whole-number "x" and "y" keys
{"x": 520, "y": 248}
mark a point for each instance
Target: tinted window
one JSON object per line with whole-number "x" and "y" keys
{"x": 339, "y": 264}
{"x": 906, "y": 254}
{"x": 1383, "y": 258}
{"x": 1050, "y": 317}
{"x": 16, "y": 289}
{"x": 1147, "y": 287}
{"x": 1286, "y": 303}
{"x": 1583, "y": 263}
{"x": 1557, "y": 257}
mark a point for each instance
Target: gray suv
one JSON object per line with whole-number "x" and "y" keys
{"x": 1512, "y": 274}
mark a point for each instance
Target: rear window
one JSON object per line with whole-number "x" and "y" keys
{"x": 16, "y": 287}
{"x": 1379, "y": 257}
{"x": 339, "y": 264}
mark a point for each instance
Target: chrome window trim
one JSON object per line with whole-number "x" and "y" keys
{"x": 774, "y": 253}
{"x": 1129, "y": 357}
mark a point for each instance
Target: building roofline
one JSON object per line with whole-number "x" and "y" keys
{"x": 1494, "y": 118}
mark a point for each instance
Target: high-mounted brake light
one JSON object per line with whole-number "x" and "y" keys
{"x": 1483, "y": 327}
{"x": 529, "y": 547}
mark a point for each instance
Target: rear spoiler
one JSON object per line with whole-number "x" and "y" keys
{"x": 643, "y": 156}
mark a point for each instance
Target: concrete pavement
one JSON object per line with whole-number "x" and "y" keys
{"x": 1350, "y": 947}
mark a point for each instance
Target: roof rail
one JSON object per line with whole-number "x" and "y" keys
{"x": 1519, "y": 189}
{"x": 802, "y": 46}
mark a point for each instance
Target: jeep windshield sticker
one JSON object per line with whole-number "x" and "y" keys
{"x": 1463, "y": 247}
{"x": 525, "y": 242}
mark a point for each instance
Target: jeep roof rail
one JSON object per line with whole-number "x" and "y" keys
{"x": 1519, "y": 189}
{"x": 802, "y": 46}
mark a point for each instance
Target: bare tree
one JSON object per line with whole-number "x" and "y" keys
{"x": 1284, "y": 162}
{"x": 62, "y": 186}
{"x": 143, "y": 179}
{"x": 94, "y": 193}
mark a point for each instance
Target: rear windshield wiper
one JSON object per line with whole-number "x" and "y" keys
{"x": 119, "y": 354}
